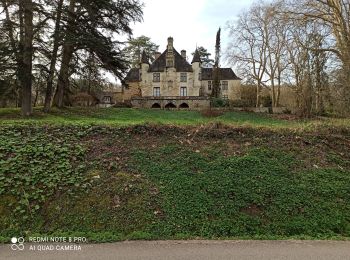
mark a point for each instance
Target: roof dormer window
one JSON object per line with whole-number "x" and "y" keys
{"x": 170, "y": 63}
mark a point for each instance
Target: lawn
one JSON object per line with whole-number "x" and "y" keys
{"x": 127, "y": 116}
{"x": 106, "y": 175}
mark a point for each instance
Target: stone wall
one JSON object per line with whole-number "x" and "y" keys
{"x": 233, "y": 92}
{"x": 132, "y": 90}
{"x": 193, "y": 103}
{"x": 169, "y": 83}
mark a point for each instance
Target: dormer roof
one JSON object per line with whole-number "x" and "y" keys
{"x": 196, "y": 57}
{"x": 144, "y": 58}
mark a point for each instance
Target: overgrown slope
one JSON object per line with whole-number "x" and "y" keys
{"x": 153, "y": 181}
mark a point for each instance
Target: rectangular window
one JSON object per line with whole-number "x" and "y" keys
{"x": 224, "y": 85}
{"x": 224, "y": 96}
{"x": 107, "y": 99}
{"x": 209, "y": 85}
{"x": 170, "y": 63}
{"x": 183, "y": 91}
{"x": 156, "y": 92}
{"x": 183, "y": 77}
{"x": 156, "y": 77}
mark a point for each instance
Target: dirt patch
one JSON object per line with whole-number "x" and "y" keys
{"x": 112, "y": 148}
{"x": 252, "y": 210}
{"x": 286, "y": 117}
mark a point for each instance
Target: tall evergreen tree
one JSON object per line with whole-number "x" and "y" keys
{"x": 216, "y": 69}
{"x": 135, "y": 46}
{"x": 26, "y": 64}
{"x": 90, "y": 27}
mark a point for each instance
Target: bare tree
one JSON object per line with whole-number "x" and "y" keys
{"x": 276, "y": 36}
{"x": 307, "y": 65}
{"x": 272, "y": 49}
{"x": 334, "y": 14}
{"x": 248, "y": 49}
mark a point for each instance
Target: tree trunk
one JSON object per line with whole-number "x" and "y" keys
{"x": 17, "y": 47}
{"x": 49, "y": 86}
{"x": 258, "y": 90}
{"x": 63, "y": 77}
{"x": 216, "y": 83}
{"x": 273, "y": 88}
{"x": 278, "y": 92}
{"x": 36, "y": 97}
{"x": 27, "y": 57}
{"x": 68, "y": 49}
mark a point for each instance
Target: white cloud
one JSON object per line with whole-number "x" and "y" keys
{"x": 179, "y": 19}
{"x": 189, "y": 22}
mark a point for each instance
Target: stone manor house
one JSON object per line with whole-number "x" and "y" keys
{"x": 172, "y": 82}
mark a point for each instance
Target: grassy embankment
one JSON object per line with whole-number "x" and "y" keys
{"x": 107, "y": 175}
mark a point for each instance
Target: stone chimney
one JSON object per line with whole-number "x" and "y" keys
{"x": 170, "y": 43}
{"x": 183, "y": 54}
{"x": 156, "y": 55}
{"x": 170, "y": 61}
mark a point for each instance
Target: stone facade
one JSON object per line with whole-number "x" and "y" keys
{"x": 170, "y": 81}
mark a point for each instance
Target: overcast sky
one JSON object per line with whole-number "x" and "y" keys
{"x": 189, "y": 22}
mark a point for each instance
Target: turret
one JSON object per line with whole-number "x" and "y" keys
{"x": 196, "y": 62}
{"x": 144, "y": 58}
{"x": 144, "y": 65}
{"x": 196, "y": 67}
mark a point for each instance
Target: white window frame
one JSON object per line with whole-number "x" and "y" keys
{"x": 183, "y": 91}
{"x": 183, "y": 77}
{"x": 156, "y": 91}
{"x": 224, "y": 85}
{"x": 107, "y": 99}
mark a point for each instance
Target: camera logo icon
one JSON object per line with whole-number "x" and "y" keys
{"x": 17, "y": 243}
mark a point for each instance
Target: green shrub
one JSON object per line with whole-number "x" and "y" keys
{"x": 219, "y": 102}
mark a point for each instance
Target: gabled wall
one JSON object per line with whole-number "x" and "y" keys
{"x": 167, "y": 88}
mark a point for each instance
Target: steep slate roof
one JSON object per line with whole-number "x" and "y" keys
{"x": 133, "y": 75}
{"x": 196, "y": 57}
{"x": 224, "y": 74}
{"x": 181, "y": 65}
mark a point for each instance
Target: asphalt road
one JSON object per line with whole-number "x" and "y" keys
{"x": 194, "y": 250}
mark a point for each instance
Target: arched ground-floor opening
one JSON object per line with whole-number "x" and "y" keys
{"x": 184, "y": 105}
{"x": 156, "y": 105}
{"x": 170, "y": 105}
